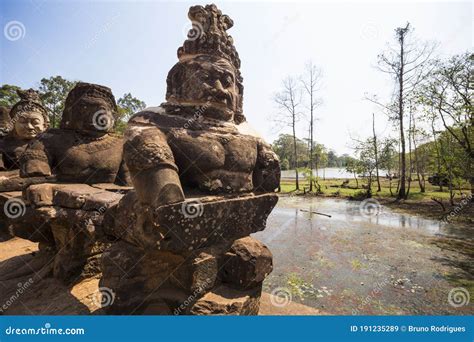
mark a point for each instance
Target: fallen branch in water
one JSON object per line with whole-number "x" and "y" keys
{"x": 315, "y": 212}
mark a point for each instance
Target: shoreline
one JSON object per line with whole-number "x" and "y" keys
{"x": 419, "y": 204}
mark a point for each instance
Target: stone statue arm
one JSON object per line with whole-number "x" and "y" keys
{"x": 35, "y": 161}
{"x": 266, "y": 175}
{"x": 152, "y": 167}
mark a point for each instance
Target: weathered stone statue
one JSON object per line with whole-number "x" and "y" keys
{"x": 84, "y": 149}
{"x": 18, "y": 127}
{"x": 85, "y": 157}
{"x": 204, "y": 181}
{"x": 5, "y": 125}
{"x": 28, "y": 118}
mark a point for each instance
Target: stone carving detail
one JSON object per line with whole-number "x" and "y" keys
{"x": 84, "y": 149}
{"x": 204, "y": 181}
{"x": 5, "y": 125}
{"x": 63, "y": 216}
{"x": 28, "y": 119}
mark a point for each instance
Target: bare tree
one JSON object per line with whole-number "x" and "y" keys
{"x": 312, "y": 84}
{"x": 407, "y": 63}
{"x": 288, "y": 101}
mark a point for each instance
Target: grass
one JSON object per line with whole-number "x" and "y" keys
{"x": 332, "y": 188}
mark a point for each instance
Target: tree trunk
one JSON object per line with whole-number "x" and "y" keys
{"x": 402, "y": 189}
{"x": 410, "y": 163}
{"x": 295, "y": 152}
{"x": 369, "y": 186}
{"x": 438, "y": 155}
{"x": 417, "y": 161}
{"x": 311, "y": 139}
{"x": 390, "y": 185}
{"x": 376, "y": 154}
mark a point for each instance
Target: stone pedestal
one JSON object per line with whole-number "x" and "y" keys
{"x": 67, "y": 218}
{"x": 187, "y": 262}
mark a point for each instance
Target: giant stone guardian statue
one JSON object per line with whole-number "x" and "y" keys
{"x": 204, "y": 181}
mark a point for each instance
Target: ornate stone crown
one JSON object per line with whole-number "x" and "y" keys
{"x": 199, "y": 77}
{"x": 29, "y": 102}
{"x": 208, "y": 35}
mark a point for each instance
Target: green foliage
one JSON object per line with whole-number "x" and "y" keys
{"x": 322, "y": 157}
{"x": 354, "y": 166}
{"x": 8, "y": 95}
{"x": 53, "y": 92}
{"x": 129, "y": 105}
{"x": 283, "y": 147}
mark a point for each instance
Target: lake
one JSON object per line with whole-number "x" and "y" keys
{"x": 366, "y": 262}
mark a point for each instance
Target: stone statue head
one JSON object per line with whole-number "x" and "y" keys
{"x": 28, "y": 117}
{"x": 207, "y": 73}
{"x": 5, "y": 125}
{"x": 89, "y": 108}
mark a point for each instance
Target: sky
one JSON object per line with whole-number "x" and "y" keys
{"x": 130, "y": 46}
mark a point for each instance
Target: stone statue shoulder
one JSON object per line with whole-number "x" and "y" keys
{"x": 157, "y": 116}
{"x": 172, "y": 118}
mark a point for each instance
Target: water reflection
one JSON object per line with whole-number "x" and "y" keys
{"x": 346, "y": 215}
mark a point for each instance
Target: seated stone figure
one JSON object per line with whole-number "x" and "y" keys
{"x": 203, "y": 182}
{"x": 84, "y": 149}
{"x": 85, "y": 156}
{"x": 28, "y": 118}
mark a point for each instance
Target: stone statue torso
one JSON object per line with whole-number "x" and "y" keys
{"x": 75, "y": 157}
{"x": 210, "y": 155}
{"x": 11, "y": 150}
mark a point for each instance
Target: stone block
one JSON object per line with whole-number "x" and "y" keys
{"x": 247, "y": 263}
{"x": 224, "y": 300}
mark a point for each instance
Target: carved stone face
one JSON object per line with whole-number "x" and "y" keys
{"x": 90, "y": 114}
{"x": 28, "y": 125}
{"x": 205, "y": 81}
